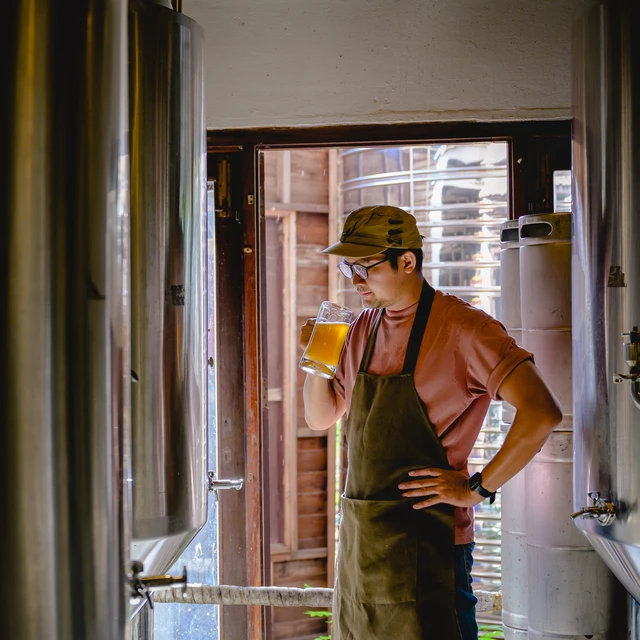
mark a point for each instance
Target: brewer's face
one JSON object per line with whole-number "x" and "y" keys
{"x": 382, "y": 287}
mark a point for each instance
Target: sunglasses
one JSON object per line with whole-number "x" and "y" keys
{"x": 347, "y": 269}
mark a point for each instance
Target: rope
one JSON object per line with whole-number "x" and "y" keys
{"x": 278, "y": 596}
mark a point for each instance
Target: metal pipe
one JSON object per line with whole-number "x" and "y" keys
{"x": 280, "y": 596}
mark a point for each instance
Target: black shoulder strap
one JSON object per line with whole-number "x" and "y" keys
{"x": 368, "y": 350}
{"x": 419, "y": 325}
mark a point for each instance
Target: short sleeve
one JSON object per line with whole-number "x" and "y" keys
{"x": 492, "y": 355}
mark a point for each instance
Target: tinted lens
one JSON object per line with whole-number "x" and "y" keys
{"x": 345, "y": 269}
{"x": 360, "y": 271}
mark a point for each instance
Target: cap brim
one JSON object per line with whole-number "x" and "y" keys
{"x": 349, "y": 250}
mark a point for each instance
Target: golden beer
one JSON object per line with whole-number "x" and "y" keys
{"x": 327, "y": 339}
{"x": 326, "y": 344}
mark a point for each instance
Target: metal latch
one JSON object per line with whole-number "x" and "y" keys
{"x": 217, "y": 485}
{"x": 143, "y": 587}
{"x": 601, "y": 510}
{"x": 631, "y": 351}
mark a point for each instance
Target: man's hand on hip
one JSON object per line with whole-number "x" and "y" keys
{"x": 442, "y": 487}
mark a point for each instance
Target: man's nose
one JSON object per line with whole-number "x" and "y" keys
{"x": 357, "y": 279}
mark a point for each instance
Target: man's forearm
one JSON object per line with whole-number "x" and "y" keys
{"x": 321, "y": 406}
{"x": 525, "y": 438}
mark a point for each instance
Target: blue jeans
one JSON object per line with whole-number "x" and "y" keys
{"x": 465, "y": 600}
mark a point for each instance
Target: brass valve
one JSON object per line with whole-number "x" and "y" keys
{"x": 143, "y": 587}
{"x": 601, "y": 510}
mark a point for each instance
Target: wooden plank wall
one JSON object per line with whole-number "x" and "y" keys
{"x": 297, "y": 181}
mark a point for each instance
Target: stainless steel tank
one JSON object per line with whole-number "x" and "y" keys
{"x": 513, "y": 499}
{"x": 168, "y": 283}
{"x": 567, "y": 581}
{"x": 606, "y": 281}
{"x": 64, "y": 329}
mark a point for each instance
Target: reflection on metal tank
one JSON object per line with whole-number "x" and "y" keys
{"x": 168, "y": 276}
{"x": 513, "y": 520}
{"x": 606, "y": 282}
{"x": 64, "y": 339}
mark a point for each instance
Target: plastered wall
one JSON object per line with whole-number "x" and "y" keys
{"x": 325, "y": 62}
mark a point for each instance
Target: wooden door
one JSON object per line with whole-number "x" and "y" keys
{"x": 241, "y": 549}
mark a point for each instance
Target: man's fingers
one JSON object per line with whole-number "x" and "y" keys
{"x": 427, "y": 503}
{"x": 416, "y": 493}
{"x": 426, "y": 472}
{"x": 418, "y": 484}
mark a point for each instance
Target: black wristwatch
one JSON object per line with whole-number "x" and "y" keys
{"x": 475, "y": 484}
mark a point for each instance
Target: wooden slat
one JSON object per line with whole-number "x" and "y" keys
{"x": 318, "y": 443}
{"x": 292, "y": 384}
{"x": 301, "y": 554}
{"x": 314, "y": 526}
{"x": 253, "y": 383}
{"x": 312, "y": 460}
{"x": 299, "y": 570}
{"x": 312, "y": 229}
{"x": 230, "y": 393}
{"x": 312, "y": 503}
{"x": 312, "y": 543}
{"x": 332, "y": 275}
{"x": 309, "y": 177}
{"x": 313, "y": 481}
{"x": 304, "y": 625}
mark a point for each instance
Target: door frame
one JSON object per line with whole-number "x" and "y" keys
{"x": 537, "y": 148}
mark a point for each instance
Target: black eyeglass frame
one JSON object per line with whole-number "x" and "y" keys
{"x": 347, "y": 269}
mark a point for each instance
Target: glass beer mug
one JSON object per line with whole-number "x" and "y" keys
{"x": 327, "y": 339}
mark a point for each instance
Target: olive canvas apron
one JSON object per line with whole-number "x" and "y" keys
{"x": 394, "y": 575}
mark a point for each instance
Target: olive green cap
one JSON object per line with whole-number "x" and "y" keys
{"x": 370, "y": 230}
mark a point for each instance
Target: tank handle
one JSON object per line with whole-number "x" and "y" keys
{"x": 536, "y": 230}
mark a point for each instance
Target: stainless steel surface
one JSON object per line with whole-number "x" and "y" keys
{"x": 168, "y": 281}
{"x": 64, "y": 341}
{"x": 633, "y": 621}
{"x": 513, "y": 509}
{"x": 215, "y": 485}
{"x": 514, "y": 554}
{"x": 568, "y": 584}
{"x": 142, "y": 628}
{"x": 606, "y": 276}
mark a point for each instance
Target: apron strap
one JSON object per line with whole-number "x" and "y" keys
{"x": 419, "y": 325}
{"x": 368, "y": 350}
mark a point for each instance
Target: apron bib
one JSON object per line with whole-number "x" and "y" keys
{"x": 395, "y": 565}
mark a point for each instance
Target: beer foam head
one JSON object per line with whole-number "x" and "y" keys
{"x": 370, "y": 230}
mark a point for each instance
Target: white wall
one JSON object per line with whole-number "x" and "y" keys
{"x": 320, "y": 62}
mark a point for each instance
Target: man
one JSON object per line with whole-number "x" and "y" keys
{"x": 416, "y": 376}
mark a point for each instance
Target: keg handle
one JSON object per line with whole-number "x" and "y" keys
{"x": 600, "y": 509}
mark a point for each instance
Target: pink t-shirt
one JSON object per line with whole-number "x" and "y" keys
{"x": 464, "y": 358}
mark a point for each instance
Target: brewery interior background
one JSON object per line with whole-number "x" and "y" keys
{"x": 460, "y": 112}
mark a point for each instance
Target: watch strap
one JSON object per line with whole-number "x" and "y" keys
{"x": 475, "y": 484}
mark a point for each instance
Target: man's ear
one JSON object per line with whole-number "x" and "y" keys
{"x": 408, "y": 261}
